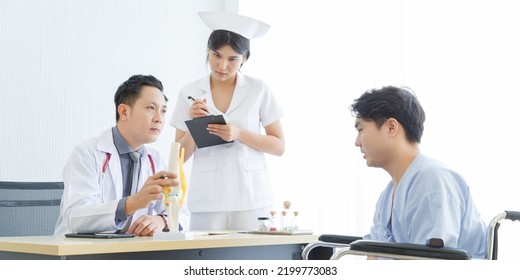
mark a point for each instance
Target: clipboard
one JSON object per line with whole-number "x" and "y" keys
{"x": 200, "y": 133}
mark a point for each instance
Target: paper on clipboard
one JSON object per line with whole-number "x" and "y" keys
{"x": 200, "y": 133}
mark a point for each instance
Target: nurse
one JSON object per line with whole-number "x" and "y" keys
{"x": 425, "y": 199}
{"x": 113, "y": 182}
{"x": 229, "y": 185}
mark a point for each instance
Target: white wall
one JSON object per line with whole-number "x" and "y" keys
{"x": 61, "y": 62}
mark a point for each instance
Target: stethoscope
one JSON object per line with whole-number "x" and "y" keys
{"x": 107, "y": 159}
{"x": 104, "y": 170}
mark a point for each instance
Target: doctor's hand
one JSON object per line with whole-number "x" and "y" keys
{"x": 150, "y": 191}
{"x": 147, "y": 225}
{"x": 227, "y": 132}
{"x": 199, "y": 109}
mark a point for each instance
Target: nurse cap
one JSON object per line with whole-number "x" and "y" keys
{"x": 247, "y": 27}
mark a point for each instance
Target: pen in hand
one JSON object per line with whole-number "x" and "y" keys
{"x": 193, "y": 99}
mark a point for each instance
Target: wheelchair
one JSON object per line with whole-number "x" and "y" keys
{"x": 334, "y": 247}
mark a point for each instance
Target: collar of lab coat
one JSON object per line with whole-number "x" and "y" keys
{"x": 106, "y": 144}
{"x": 239, "y": 94}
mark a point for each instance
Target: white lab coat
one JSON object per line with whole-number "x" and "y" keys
{"x": 90, "y": 197}
{"x": 234, "y": 176}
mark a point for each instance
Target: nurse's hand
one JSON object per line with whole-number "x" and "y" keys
{"x": 228, "y": 132}
{"x": 150, "y": 191}
{"x": 199, "y": 109}
{"x": 146, "y": 225}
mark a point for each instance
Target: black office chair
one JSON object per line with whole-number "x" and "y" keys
{"x": 29, "y": 208}
{"x": 338, "y": 246}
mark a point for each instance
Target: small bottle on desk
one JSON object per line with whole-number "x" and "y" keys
{"x": 295, "y": 222}
{"x": 272, "y": 221}
{"x": 263, "y": 223}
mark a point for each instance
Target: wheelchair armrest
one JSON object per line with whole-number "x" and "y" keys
{"x": 408, "y": 250}
{"x": 341, "y": 239}
{"x": 327, "y": 244}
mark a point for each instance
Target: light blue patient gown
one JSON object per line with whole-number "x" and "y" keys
{"x": 432, "y": 201}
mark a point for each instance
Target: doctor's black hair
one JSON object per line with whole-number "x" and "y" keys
{"x": 379, "y": 105}
{"x": 129, "y": 91}
{"x": 221, "y": 38}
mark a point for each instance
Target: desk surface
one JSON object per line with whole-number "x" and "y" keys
{"x": 62, "y": 246}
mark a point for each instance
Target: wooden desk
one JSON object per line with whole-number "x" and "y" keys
{"x": 232, "y": 246}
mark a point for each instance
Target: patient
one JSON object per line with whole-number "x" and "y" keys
{"x": 425, "y": 199}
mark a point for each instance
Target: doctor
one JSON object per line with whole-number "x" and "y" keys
{"x": 230, "y": 186}
{"x": 425, "y": 199}
{"x": 100, "y": 193}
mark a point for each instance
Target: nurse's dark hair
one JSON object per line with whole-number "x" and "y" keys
{"x": 129, "y": 91}
{"x": 221, "y": 38}
{"x": 379, "y": 105}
